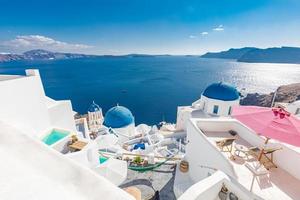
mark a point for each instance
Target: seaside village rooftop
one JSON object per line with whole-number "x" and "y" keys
{"x": 217, "y": 150}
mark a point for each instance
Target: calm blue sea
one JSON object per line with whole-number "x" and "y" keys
{"x": 151, "y": 87}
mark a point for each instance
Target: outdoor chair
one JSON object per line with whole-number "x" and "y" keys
{"x": 265, "y": 157}
{"x": 226, "y": 145}
{"x": 257, "y": 170}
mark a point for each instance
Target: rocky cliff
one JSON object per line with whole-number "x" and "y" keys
{"x": 286, "y": 93}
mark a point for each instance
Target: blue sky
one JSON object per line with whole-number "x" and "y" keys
{"x": 147, "y": 26}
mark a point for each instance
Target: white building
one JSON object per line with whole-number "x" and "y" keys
{"x": 24, "y": 105}
{"x": 205, "y": 158}
{"x": 31, "y": 169}
{"x": 293, "y": 108}
{"x": 217, "y": 100}
{"x": 95, "y": 117}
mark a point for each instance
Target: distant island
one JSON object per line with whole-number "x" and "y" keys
{"x": 40, "y": 54}
{"x": 257, "y": 55}
{"x": 229, "y": 54}
{"x": 246, "y": 54}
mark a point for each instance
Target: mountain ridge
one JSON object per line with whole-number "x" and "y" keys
{"x": 232, "y": 53}
{"x": 41, "y": 54}
{"x": 256, "y": 55}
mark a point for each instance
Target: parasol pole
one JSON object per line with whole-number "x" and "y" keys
{"x": 262, "y": 150}
{"x": 273, "y": 99}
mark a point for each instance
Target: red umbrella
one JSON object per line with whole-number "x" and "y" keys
{"x": 275, "y": 123}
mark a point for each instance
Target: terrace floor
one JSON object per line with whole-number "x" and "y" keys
{"x": 159, "y": 180}
{"x": 277, "y": 185}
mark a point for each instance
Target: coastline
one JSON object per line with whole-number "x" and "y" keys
{"x": 285, "y": 94}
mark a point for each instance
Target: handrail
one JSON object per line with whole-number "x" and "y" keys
{"x": 134, "y": 154}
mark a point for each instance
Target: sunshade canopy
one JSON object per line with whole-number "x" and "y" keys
{"x": 275, "y": 123}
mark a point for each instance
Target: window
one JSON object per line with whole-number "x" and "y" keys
{"x": 216, "y": 109}
{"x": 229, "y": 111}
{"x": 297, "y": 111}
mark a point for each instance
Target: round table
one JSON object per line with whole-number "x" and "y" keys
{"x": 241, "y": 150}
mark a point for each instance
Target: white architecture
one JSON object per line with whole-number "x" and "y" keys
{"x": 23, "y": 104}
{"x": 95, "y": 117}
{"x": 205, "y": 158}
{"x": 82, "y": 127}
{"x": 32, "y": 168}
{"x": 210, "y": 187}
{"x": 293, "y": 108}
{"x": 217, "y": 100}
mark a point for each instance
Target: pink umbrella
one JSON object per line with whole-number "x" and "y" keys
{"x": 275, "y": 123}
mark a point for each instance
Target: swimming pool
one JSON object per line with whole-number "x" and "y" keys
{"x": 102, "y": 159}
{"x": 54, "y": 136}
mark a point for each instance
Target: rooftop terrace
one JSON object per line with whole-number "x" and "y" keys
{"x": 278, "y": 184}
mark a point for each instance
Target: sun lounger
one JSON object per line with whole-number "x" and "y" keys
{"x": 265, "y": 157}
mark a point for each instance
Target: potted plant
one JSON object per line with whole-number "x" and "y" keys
{"x": 138, "y": 160}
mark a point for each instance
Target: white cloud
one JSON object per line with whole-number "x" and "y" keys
{"x": 219, "y": 28}
{"x": 192, "y": 36}
{"x": 28, "y": 42}
{"x": 204, "y": 33}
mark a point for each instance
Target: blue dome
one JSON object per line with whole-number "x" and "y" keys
{"x": 94, "y": 107}
{"x": 221, "y": 91}
{"x": 118, "y": 117}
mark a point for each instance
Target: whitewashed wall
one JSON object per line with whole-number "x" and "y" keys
{"x": 21, "y": 104}
{"x": 209, "y": 188}
{"x": 183, "y": 115}
{"x": 61, "y": 115}
{"x": 22, "y": 173}
{"x": 199, "y": 151}
{"x": 208, "y": 105}
{"x": 292, "y": 107}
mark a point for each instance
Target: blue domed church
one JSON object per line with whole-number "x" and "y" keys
{"x": 121, "y": 120}
{"x": 216, "y": 100}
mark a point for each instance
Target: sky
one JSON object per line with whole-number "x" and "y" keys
{"x": 119, "y": 27}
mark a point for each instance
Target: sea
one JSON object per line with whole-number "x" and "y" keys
{"x": 151, "y": 87}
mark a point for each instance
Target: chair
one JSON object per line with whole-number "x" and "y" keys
{"x": 264, "y": 156}
{"x": 257, "y": 171}
{"x": 226, "y": 144}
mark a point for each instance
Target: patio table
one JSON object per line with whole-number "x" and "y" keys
{"x": 241, "y": 150}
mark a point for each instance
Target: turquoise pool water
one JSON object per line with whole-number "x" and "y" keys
{"x": 54, "y": 136}
{"x": 102, "y": 159}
